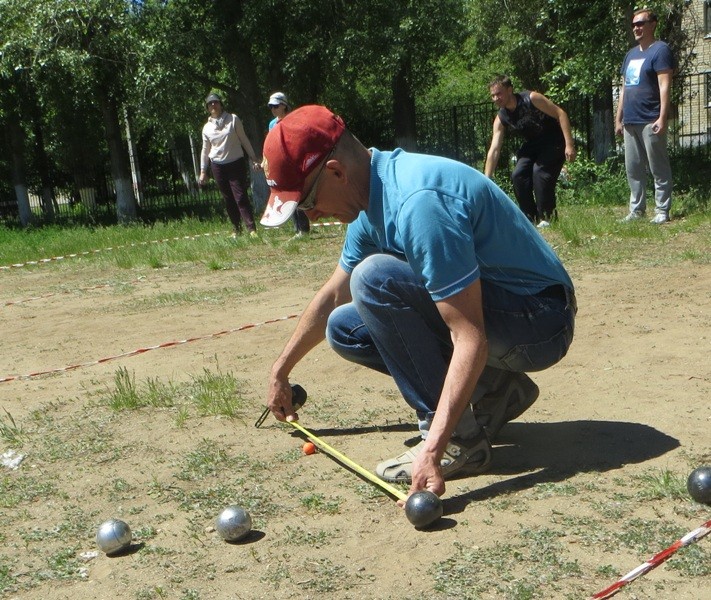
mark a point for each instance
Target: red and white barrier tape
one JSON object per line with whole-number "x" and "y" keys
{"x": 50, "y": 294}
{"x": 42, "y": 261}
{"x": 88, "y": 252}
{"x": 326, "y": 224}
{"x": 655, "y": 561}
{"x": 143, "y": 350}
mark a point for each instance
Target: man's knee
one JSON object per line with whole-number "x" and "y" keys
{"x": 521, "y": 174}
{"x": 375, "y": 271}
{"x": 339, "y": 322}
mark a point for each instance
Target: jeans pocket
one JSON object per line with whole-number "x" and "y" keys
{"x": 541, "y": 355}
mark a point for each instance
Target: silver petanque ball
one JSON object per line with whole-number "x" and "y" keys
{"x": 113, "y": 536}
{"x": 233, "y": 524}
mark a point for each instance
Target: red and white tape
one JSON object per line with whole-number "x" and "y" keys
{"x": 655, "y": 561}
{"x": 326, "y": 224}
{"x": 143, "y": 350}
{"x": 85, "y": 289}
{"x": 42, "y": 261}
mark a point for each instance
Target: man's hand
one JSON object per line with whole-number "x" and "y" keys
{"x": 280, "y": 400}
{"x": 570, "y": 153}
{"x": 427, "y": 473}
{"x": 659, "y": 126}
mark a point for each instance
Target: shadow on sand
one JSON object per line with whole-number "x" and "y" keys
{"x": 528, "y": 454}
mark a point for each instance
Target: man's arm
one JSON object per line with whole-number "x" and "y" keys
{"x": 619, "y": 125}
{"x": 464, "y": 316}
{"x": 309, "y": 332}
{"x": 665, "y": 79}
{"x": 497, "y": 142}
{"x": 553, "y": 110}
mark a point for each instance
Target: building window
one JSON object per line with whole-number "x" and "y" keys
{"x": 707, "y": 17}
{"x": 708, "y": 90}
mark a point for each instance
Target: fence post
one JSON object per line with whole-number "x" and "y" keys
{"x": 455, "y": 125}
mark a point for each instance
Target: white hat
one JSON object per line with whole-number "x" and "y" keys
{"x": 278, "y": 98}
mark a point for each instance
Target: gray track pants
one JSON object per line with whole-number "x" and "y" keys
{"x": 644, "y": 148}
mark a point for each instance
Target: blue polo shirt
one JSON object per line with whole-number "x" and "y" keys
{"x": 452, "y": 225}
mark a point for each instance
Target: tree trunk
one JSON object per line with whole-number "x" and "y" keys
{"x": 404, "y": 108}
{"x": 603, "y": 124}
{"x": 43, "y": 166}
{"x": 183, "y": 168}
{"x": 250, "y": 98}
{"x": 133, "y": 159}
{"x": 19, "y": 181}
{"x": 120, "y": 169}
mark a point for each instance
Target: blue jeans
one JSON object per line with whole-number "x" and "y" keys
{"x": 393, "y": 326}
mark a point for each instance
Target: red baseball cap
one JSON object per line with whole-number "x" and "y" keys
{"x": 294, "y": 147}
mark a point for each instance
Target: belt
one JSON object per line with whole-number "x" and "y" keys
{"x": 559, "y": 292}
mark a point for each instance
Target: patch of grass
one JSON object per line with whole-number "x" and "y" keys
{"x": 551, "y": 489}
{"x": 7, "y": 581}
{"x": 193, "y": 297}
{"x": 151, "y": 593}
{"x": 213, "y": 394}
{"x": 276, "y": 575}
{"x": 318, "y": 503}
{"x": 527, "y": 568}
{"x": 217, "y": 394}
{"x": 607, "y": 571}
{"x": 662, "y": 484}
{"x": 207, "y": 460}
{"x": 63, "y": 564}
{"x": 326, "y": 577}
{"x": 298, "y": 536}
{"x": 650, "y": 537}
{"x": 10, "y": 431}
{"x": 548, "y": 553}
{"x": 182, "y": 416}
{"x": 593, "y": 234}
{"x": 23, "y": 489}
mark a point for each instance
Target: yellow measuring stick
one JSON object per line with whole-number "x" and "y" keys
{"x": 349, "y": 463}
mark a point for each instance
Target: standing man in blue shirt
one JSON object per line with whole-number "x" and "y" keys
{"x": 442, "y": 283}
{"x": 643, "y": 114}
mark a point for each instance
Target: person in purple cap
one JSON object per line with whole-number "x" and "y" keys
{"x": 443, "y": 283}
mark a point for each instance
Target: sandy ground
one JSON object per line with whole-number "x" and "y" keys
{"x": 631, "y": 398}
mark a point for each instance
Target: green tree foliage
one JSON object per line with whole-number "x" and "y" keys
{"x": 561, "y": 46}
{"x": 71, "y": 69}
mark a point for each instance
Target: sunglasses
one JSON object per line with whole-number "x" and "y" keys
{"x": 274, "y": 105}
{"x": 213, "y": 102}
{"x": 309, "y": 201}
{"x": 639, "y": 23}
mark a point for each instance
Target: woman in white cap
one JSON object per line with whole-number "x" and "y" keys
{"x": 224, "y": 143}
{"x": 280, "y": 107}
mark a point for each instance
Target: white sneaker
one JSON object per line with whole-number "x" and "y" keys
{"x": 659, "y": 219}
{"x": 543, "y": 224}
{"x": 633, "y": 216}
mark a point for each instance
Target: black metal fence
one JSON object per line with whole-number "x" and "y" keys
{"x": 166, "y": 183}
{"x": 464, "y": 132}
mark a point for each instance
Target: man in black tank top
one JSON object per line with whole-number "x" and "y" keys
{"x": 548, "y": 142}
